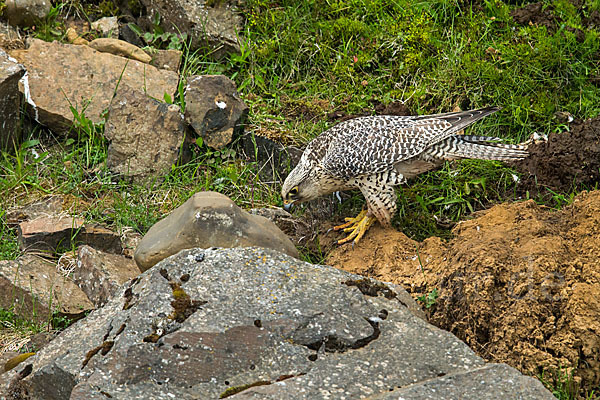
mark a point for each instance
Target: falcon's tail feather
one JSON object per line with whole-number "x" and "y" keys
{"x": 461, "y": 119}
{"x": 457, "y": 147}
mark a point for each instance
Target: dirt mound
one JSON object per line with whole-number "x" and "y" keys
{"x": 519, "y": 283}
{"x": 535, "y": 14}
{"x": 567, "y": 161}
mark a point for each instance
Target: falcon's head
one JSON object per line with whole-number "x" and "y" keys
{"x": 300, "y": 185}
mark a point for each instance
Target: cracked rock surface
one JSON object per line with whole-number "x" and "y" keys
{"x": 252, "y": 323}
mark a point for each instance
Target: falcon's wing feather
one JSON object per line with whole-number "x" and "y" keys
{"x": 377, "y": 143}
{"x": 370, "y": 145}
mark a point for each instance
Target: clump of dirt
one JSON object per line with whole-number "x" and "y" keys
{"x": 567, "y": 161}
{"x": 536, "y": 14}
{"x": 519, "y": 283}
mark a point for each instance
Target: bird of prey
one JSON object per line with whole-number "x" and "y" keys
{"x": 376, "y": 153}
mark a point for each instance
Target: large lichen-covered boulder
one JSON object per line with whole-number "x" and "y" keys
{"x": 209, "y": 219}
{"x": 254, "y": 323}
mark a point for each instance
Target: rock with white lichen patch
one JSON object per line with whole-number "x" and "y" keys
{"x": 209, "y": 219}
{"x": 214, "y": 109}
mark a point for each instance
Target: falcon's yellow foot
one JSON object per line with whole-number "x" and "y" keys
{"x": 356, "y": 226}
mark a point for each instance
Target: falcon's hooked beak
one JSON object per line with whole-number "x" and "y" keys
{"x": 287, "y": 204}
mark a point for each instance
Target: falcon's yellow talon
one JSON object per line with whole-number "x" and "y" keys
{"x": 351, "y": 222}
{"x": 360, "y": 225}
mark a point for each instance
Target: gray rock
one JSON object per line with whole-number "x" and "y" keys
{"x": 204, "y": 321}
{"x": 208, "y": 219}
{"x": 107, "y": 26}
{"x": 25, "y": 13}
{"x": 490, "y": 382}
{"x": 145, "y": 135}
{"x": 53, "y": 88}
{"x": 214, "y": 109}
{"x": 100, "y": 274}
{"x": 216, "y": 322}
{"x": 213, "y": 25}
{"x": 10, "y": 102}
{"x": 33, "y": 289}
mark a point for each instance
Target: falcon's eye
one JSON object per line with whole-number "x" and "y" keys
{"x": 294, "y": 191}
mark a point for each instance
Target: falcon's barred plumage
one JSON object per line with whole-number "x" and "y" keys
{"x": 376, "y": 153}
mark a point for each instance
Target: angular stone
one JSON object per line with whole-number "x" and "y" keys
{"x": 45, "y": 207}
{"x": 33, "y": 289}
{"x": 101, "y": 274}
{"x": 211, "y": 24}
{"x": 107, "y": 26}
{"x": 490, "y": 382}
{"x": 10, "y": 102}
{"x": 25, "y": 13}
{"x": 53, "y": 87}
{"x": 120, "y": 48}
{"x": 210, "y": 323}
{"x": 208, "y": 219}
{"x": 166, "y": 59}
{"x": 214, "y": 109}
{"x": 49, "y": 233}
{"x": 145, "y": 135}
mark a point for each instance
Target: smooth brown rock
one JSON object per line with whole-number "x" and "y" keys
{"x": 48, "y": 233}
{"x": 214, "y": 109}
{"x": 209, "y": 219}
{"x": 33, "y": 289}
{"x": 60, "y": 75}
{"x": 101, "y": 274}
{"x": 120, "y": 48}
{"x": 10, "y": 102}
{"x": 145, "y": 135}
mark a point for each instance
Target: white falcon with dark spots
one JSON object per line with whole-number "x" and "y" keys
{"x": 376, "y": 153}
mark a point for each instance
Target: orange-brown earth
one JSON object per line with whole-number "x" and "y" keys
{"x": 519, "y": 283}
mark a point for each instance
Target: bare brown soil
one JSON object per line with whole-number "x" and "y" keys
{"x": 567, "y": 161}
{"x": 519, "y": 283}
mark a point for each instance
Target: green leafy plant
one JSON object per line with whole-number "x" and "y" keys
{"x": 158, "y": 38}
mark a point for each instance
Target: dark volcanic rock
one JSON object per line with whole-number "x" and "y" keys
{"x": 212, "y": 323}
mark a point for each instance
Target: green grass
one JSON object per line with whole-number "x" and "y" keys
{"x": 302, "y": 61}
